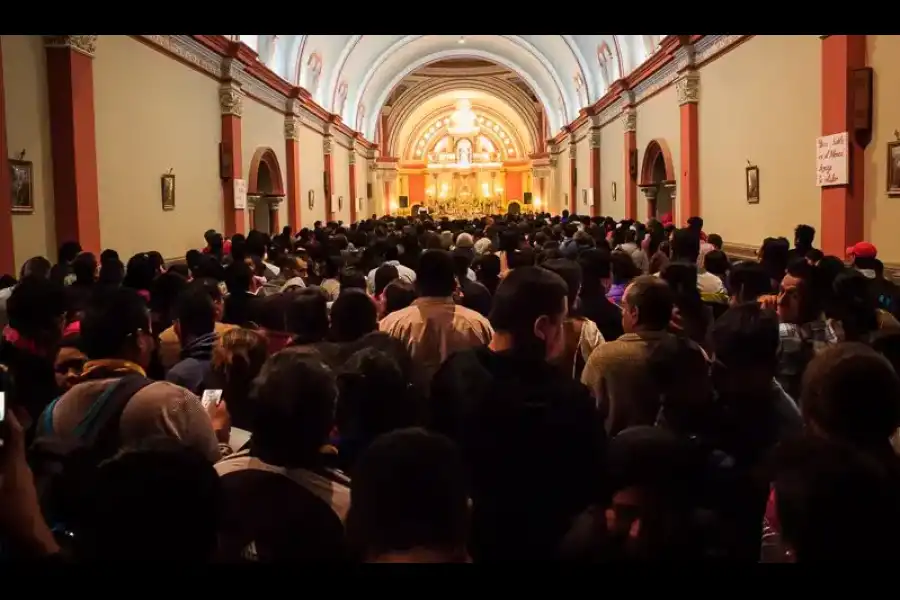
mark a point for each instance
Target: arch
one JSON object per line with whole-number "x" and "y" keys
{"x": 655, "y": 149}
{"x": 265, "y": 156}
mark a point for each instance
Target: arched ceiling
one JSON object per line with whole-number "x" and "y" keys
{"x": 353, "y": 75}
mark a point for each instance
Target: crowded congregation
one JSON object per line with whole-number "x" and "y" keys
{"x": 419, "y": 390}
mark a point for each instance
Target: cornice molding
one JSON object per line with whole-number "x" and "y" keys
{"x": 237, "y": 64}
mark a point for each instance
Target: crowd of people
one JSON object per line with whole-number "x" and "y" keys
{"x": 519, "y": 387}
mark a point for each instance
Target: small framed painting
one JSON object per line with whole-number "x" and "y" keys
{"x": 752, "y": 173}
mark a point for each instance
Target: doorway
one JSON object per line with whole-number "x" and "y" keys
{"x": 266, "y": 184}
{"x": 658, "y": 179}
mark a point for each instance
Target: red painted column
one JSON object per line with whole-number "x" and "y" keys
{"x": 329, "y": 176}
{"x": 292, "y": 156}
{"x": 7, "y": 253}
{"x": 353, "y": 194}
{"x": 630, "y": 177}
{"x": 688, "y": 88}
{"x": 573, "y": 176}
{"x": 842, "y": 206}
{"x": 274, "y": 219}
{"x": 387, "y": 197}
{"x": 70, "y": 90}
{"x": 231, "y": 101}
{"x": 595, "y": 172}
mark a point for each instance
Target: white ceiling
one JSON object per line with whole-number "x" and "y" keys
{"x": 566, "y": 72}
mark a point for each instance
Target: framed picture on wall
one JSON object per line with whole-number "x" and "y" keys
{"x": 21, "y": 177}
{"x": 167, "y": 191}
{"x": 340, "y": 203}
{"x": 893, "y": 171}
{"x": 752, "y": 177}
{"x": 613, "y": 191}
{"x": 311, "y": 198}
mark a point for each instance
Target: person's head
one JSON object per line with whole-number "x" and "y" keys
{"x": 622, "y": 267}
{"x": 695, "y": 223}
{"x": 408, "y": 501}
{"x": 436, "y": 275}
{"x": 353, "y": 279}
{"x": 37, "y": 266}
{"x": 293, "y": 401}
{"x": 237, "y": 359}
{"x": 138, "y": 506}
{"x": 112, "y": 272}
{"x": 307, "y": 315}
{"x": 195, "y": 314}
{"x": 647, "y": 305}
{"x": 157, "y": 261}
{"x": 747, "y": 281}
{"x": 595, "y": 266}
{"x": 715, "y": 240}
{"x": 36, "y": 310}
{"x": 570, "y": 271}
{"x": 773, "y": 256}
{"x": 383, "y": 276}
{"x": 488, "y": 268}
{"x": 69, "y": 362}
{"x": 854, "y": 303}
{"x": 398, "y": 295}
{"x": 239, "y": 278}
{"x": 212, "y": 289}
{"x": 530, "y": 307}
{"x": 716, "y": 262}
{"x": 799, "y": 296}
{"x": 814, "y": 255}
{"x": 804, "y": 236}
{"x": 835, "y": 503}
{"x": 851, "y": 393}
{"x": 685, "y": 245}
{"x": 139, "y": 272}
{"x": 863, "y": 255}
{"x": 746, "y": 341}
{"x": 68, "y": 251}
{"x": 680, "y": 370}
{"x": 353, "y": 315}
{"x": 116, "y": 324}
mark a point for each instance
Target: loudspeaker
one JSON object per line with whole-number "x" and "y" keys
{"x": 225, "y": 160}
{"x": 526, "y": 197}
{"x": 404, "y": 201}
{"x": 632, "y": 163}
{"x": 861, "y": 104}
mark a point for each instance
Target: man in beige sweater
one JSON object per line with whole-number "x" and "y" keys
{"x": 616, "y": 373}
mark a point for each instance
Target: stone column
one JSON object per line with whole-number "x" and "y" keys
{"x": 274, "y": 214}
{"x": 352, "y": 167}
{"x": 650, "y": 192}
{"x": 7, "y": 254}
{"x": 595, "y": 170}
{"x": 70, "y": 90}
{"x": 292, "y": 156}
{"x": 688, "y": 89}
{"x": 252, "y": 205}
{"x": 231, "y": 103}
{"x": 573, "y": 175}
{"x": 629, "y": 121}
{"x": 327, "y": 147}
{"x": 843, "y": 206}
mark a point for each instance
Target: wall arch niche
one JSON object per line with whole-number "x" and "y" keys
{"x": 265, "y": 191}
{"x": 657, "y": 179}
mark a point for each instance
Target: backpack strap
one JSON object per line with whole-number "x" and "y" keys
{"x": 100, "y": 427}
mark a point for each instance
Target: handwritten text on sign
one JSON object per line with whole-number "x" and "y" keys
{"x": 240, "y": 194}
{"x": 832, "y": 159}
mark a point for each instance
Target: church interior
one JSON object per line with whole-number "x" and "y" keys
{"x": 110, "y": 139}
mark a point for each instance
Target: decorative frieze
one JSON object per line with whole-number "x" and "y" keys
{"x": 685, "y": 58}
{"x": 688, "y": 88}
{"x": 84, "y": 44}
{"x": 629, "y": 119}
{"x": 292, "y": 127}
{"x": 231, "y": 99}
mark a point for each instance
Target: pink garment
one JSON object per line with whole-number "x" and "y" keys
{"x": 666, "y": 219}
{"x": 73, "y": 328}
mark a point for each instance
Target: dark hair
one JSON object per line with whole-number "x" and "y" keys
{"x": 409, "y": 491}
{"x": 570, "y": 271}
{"x": 293, "y": 401}
{"x": 237, "y": 358}
{"x": 815, "y": 255}
{"x": 814, "y": 292}
{"x": 526, "y": 294}
{"x": 595, "y": 266}
{"x": 716, "y": 262}
{"x": 748, "y": 280}
{"x": 854, "y": 302}
{"x": 653, "y": 299}
{"x": 68, "y": 251}
{"x": 695, "y": 223}
{"x": 140, "y": 272}
{"x": 715, "y": 240}
{"x": 685, "y": 245}
{"x": 853, "y": 394}
{"x": 238, "y": 277}
{"x": 398, "y": 295}
{"x": 774, "y": 257}
{"x": 112, "y": 272}
{"x": 487, "y": 271}
{"x": 383, "y": 276}
{"x": 746, "y": 335}
{"x": 180, "y": 269}
{"x": 353, "y": 279}
{"x": 35, "y": 309}
{"x": 37, "y": 266}
{"x": 84, "y": 267}
{"x": 804, "y": 236}
{"x": 622, "y": 267}
{"x": 195, "y": 313}
{"x": 307, "y": 315}
{"x": 112, "y": 321}
{"x": 435, "y": 275}
{"x": 353, "y": 315}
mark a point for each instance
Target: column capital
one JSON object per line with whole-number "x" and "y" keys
{"x": 84, "y": 44}
{"x": 328, "y": 144}
{"x": 352, "y": 157}
{"x": 292, "y": 127}
{"x": 253, "y": 201}
{"x": 594, "y": 138}
{"x": 629, "y": 119}
{"x": 231, "y": 99}
{"x": 275, "y": 202}
{"x": 649, "y": 191}
{"x": 688, "y": 88}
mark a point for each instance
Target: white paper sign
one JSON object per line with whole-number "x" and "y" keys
{"x": 240, "y": 194}
{"x": 832, "y": 160}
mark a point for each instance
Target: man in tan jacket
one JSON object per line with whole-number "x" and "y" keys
{"x": 617, "y": 373}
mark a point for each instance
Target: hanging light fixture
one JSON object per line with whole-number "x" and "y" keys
{"x": 462, "y": 121}
{"x": 461, "y": 40}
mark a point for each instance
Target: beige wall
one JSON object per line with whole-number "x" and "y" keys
{"x": 341, "y": 179}
{"x": 881, "y": 211}
{"x": 28, "y": 129}
{"x": 262, "y": 127}
{"x": 564, "y": 171}
{"x": 362, "y": 177}
{"x": 583, "y": 165}
{"x": 760, "y": 103}
{"x": 154, "y": 114}
{"x": 612, "y": 169}
{"x": 312, "y": 167}
{"x": 659, "y": 118}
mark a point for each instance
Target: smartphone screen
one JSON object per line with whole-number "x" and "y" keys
{"x": 2, "y": 406}
{"x": 211, "y": 397}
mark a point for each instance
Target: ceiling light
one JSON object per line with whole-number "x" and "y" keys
{"x": 462, "y": 40}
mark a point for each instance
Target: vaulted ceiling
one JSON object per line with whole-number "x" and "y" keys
{"x": 356, "y": 75}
